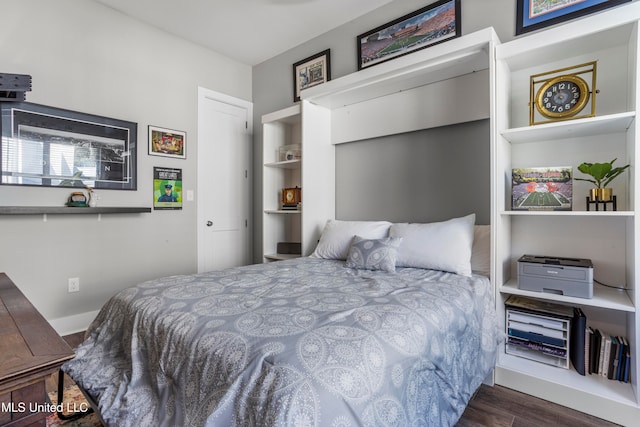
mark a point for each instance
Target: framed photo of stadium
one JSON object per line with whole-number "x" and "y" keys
{"x": 535, "y": 14}
{"x": 310, "y": 72}
{"x": 433, "y": 24}
{"x": 543, "y": 188}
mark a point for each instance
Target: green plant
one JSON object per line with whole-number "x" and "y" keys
{"x": 602, "y": 173}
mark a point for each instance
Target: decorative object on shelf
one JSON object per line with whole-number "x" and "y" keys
{"x": 533, "y": 15}
{"x": 93, "y": 197}
{"x": 538, "y": 330}
{"x": 291, "y": 198}
{"x": 289, "y": 248}
{"x": 562, "y": 94}
{"x": 289, "y": 152}
{"x": 75, "y": 149}
{"x": 78, "y": 199}
{"x": 167, "y": 142}
{"x": 14, "y": 86}
{"x": 433, "y": 24}
{"x": 543, "y": 188}
{"x": 602, "y": 174}
{"x": 310, "y": 72}
{"x": 167, "y": 188}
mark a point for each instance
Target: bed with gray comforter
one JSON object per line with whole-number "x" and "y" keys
{"x": 304, "y": 342}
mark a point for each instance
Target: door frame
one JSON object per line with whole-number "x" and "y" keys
{"x": 205, "y": 94}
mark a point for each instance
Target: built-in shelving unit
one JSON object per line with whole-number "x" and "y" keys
{"x": 313, "y": 173}
{"x": 280, "y": 128}
{"x": 609, "y": 239}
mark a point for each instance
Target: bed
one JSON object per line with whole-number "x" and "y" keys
{"x": 344, "y": 339}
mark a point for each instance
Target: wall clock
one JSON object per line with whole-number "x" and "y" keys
{"x": 562, "y": 94}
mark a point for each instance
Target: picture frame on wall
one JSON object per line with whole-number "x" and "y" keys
{"x": 167, "y": 142}
{"x": 167, "y": 188}
{"x": 533, "y": 15}
{"x": 53, "y": 147}
{"x": 431, "y": 25}
{"x": 310, "y": 72}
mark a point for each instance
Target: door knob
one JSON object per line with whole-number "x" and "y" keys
{"x": 209, "y": 223}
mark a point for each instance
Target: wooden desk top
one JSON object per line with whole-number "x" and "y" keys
{"x": 29, "y": 347}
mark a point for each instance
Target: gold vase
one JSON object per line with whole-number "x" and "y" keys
{"x": 601, "y": 194}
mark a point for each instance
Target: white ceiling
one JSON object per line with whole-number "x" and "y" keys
{"x": 249, "y": 31}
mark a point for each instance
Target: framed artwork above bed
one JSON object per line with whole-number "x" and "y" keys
{"x": 433, "y": 24}
{"x": 310, "y": 72}
{"x": 536, "y": 14}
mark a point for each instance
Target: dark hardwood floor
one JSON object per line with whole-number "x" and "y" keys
{"x": 490, "y": 407}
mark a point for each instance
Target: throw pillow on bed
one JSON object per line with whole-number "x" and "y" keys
{"x": 337, "y": 235}
{"x": 444, "y": 246}
{"x": 373, "y": 254}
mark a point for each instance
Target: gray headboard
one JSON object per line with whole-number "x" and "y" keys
{"x": 423, "y": 176}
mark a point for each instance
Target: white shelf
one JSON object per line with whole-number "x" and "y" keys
{"x": 603, "y": 297}
{"x": 456, "y": 57}
{"x": 609, "y": 389}
{"x": 281, "y": 257}
{"x": 570, "y": 213}
{"x": 579, "y": 128}
{"x": 286, "y": 164}
{"x": 283, "y": 211}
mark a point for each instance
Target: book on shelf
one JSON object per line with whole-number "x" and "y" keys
{"x": 577, "y": 346}
{"x": 609, "y": 355}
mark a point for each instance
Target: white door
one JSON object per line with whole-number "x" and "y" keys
{"x": 224, "y": 138}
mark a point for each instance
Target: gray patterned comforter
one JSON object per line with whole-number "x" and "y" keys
{"x": 305, "y": 342}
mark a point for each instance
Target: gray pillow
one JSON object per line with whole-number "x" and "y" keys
{"x": 373, "y": 254}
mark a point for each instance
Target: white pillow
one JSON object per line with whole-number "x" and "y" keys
{"x": 444, "y": 246}
{"x": 481, "y": 250}
{"x": 337, "y": 236}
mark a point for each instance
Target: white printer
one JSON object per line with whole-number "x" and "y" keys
{"x": 562, "y": 276}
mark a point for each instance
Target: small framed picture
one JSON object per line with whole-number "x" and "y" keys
{"x": 433, "y": 24}
{"x": 167, "y": 188}
{"x": 167, "y": 142}
{"x": 543, "y": 188}
{"x": 310, "y": 72}
{"x": 535, "y": 14}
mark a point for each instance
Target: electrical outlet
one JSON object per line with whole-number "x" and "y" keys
{"x": 74, "y": 284}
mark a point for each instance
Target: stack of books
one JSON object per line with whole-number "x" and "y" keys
{"x": 603, "y": 354}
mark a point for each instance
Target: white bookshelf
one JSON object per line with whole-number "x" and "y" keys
{"x": 609, "y": 239}
{"x": 313, "y": 173}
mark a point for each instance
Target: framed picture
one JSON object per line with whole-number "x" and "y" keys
{"x": 52, "y": 147}
{"x": 310, "y": 72}
{"x": 535, "y": 14}
{"x": 433, "y": 24}
{"x": 167, "y": 142}
{"x": 543, "y": 188}
{"x": 167, "y": 188}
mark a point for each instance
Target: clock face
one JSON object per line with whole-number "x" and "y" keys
{"x": 289, "y": 196}
{"x": 562, "y": 96}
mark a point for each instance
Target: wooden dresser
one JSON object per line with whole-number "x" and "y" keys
{"x": 30, "y": 351}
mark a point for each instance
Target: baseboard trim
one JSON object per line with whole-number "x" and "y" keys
{"x": 73, "y": 324}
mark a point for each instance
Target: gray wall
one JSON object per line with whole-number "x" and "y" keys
{"x": 404, "y": 178}
{"x": 86, "y": 57}
{"x": 273, "y": 80}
